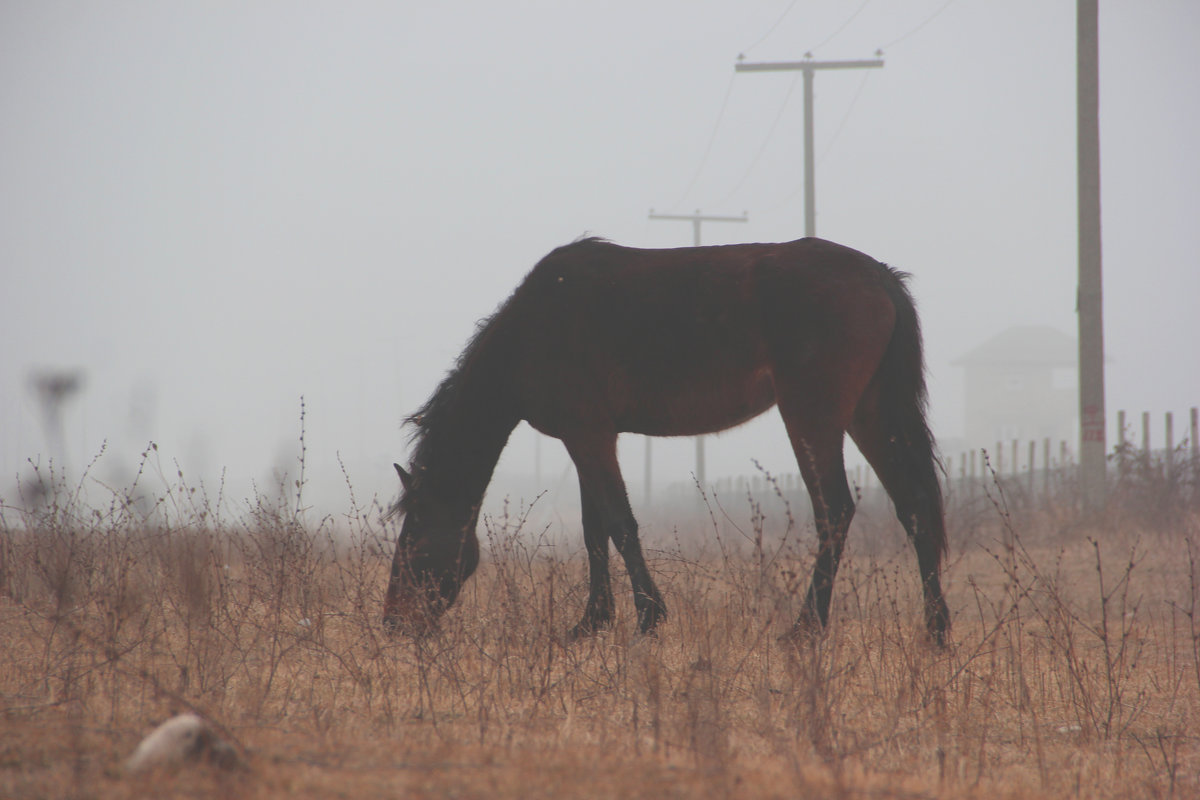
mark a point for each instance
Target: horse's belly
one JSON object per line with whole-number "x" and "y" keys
{"x": 695, "y": 408}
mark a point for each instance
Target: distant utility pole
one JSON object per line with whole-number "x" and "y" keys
{"x": 1089, "y": 301}
{"x": 809, "y": 67}
{"x": 696, "y": 219}
{"x": 53, "y": 389}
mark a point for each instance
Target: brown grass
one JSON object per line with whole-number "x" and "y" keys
{"x": 1074, "y": 669}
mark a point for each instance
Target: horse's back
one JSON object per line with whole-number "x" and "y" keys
{"x": 682, "y": 341}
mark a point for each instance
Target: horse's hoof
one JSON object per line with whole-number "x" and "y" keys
{"x": 587, "y": 628}
{"x": 939, "y": 638}
{"x": 650, "y": 617}
{"x": 799, "y": 637}
{"x": 580, "y": 632}
{"x": 937, "y": 623}
{"x": 805, "y": 631}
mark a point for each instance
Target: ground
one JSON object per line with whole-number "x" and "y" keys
{"x": 1074, "y": 666}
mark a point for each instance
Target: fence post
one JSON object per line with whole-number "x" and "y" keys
{"x": 999, "y": 466}
{"x": 1169, "y": 457}
{"x": 1046, "y": 467}
{"x": 1122, "y": 452}
{"x": 1032, "y": 459}
{"x": 1195, "y": 444}
{"x": 1146, "y": 439}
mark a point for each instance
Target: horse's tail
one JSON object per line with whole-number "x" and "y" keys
{"x": 903, "y": 406}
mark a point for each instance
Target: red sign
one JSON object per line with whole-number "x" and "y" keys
{"x": 1093, "y": 424}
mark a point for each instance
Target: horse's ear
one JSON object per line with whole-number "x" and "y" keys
{"x": 405, "y": 478}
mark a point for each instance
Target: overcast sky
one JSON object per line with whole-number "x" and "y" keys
{"x": 213, "y": 209}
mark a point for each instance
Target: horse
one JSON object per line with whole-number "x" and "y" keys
{"x": 601, "y": 339}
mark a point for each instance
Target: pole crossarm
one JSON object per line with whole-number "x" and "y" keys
{"x": 809, "y": 69}
{"x": 807, "y": 64}
{"x": 698, "y": 217}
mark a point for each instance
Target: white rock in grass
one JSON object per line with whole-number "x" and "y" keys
{"x": 182, "y": 739}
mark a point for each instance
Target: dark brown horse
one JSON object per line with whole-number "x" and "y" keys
{"x": 600, "y": 339}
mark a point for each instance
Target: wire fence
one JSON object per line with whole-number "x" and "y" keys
{"x": 1024, "y": 474}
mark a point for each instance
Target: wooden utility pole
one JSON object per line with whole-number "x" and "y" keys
{"x": 696, "y": 220}
{"x": 809, "y": 68}
{"x": 1089, "y": 302}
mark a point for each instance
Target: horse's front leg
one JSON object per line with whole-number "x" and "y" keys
{"x": 607, "y": 516}
{"x": 598, "y": 614}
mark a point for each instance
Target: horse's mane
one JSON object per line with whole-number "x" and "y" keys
{"x": 430, "y": 430}
{"x": 429, "y": 416}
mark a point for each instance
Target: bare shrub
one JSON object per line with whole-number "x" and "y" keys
{"x": 1074, "y": 666}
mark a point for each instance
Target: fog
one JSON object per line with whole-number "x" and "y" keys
{"x": 211, "y": 210}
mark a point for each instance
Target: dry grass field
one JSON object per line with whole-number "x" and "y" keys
{"x": 1074, "y": 669}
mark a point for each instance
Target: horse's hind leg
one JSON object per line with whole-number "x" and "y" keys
{"x": 816, "y": 438}
{"x": 607, "y": 515}
{"x": 907, "y": 471}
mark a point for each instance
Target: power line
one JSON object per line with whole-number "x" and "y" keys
{"x": 712, "y": 137}
{"x": 913, "y": 32}
{"x": 843, "y": 27}
{"x": 708, "y": 149}
{"x": 774, "y": 25}
{"x": 849, "y": 110}
{"x": 762, "y": 148}
{"x": 704, "y": 159}
{"x": 829, "y": 145}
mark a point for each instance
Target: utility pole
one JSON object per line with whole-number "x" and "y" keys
{"x": 53, "y": 389}
{"x": 809, "y": 68}
{"x": 696, "y": 220}
{"x": 1089, "y": 302}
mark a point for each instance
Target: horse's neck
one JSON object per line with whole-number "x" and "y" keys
{"x": 465, "y": 447}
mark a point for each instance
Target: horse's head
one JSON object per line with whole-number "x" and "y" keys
{"x": 435, "y": 554}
